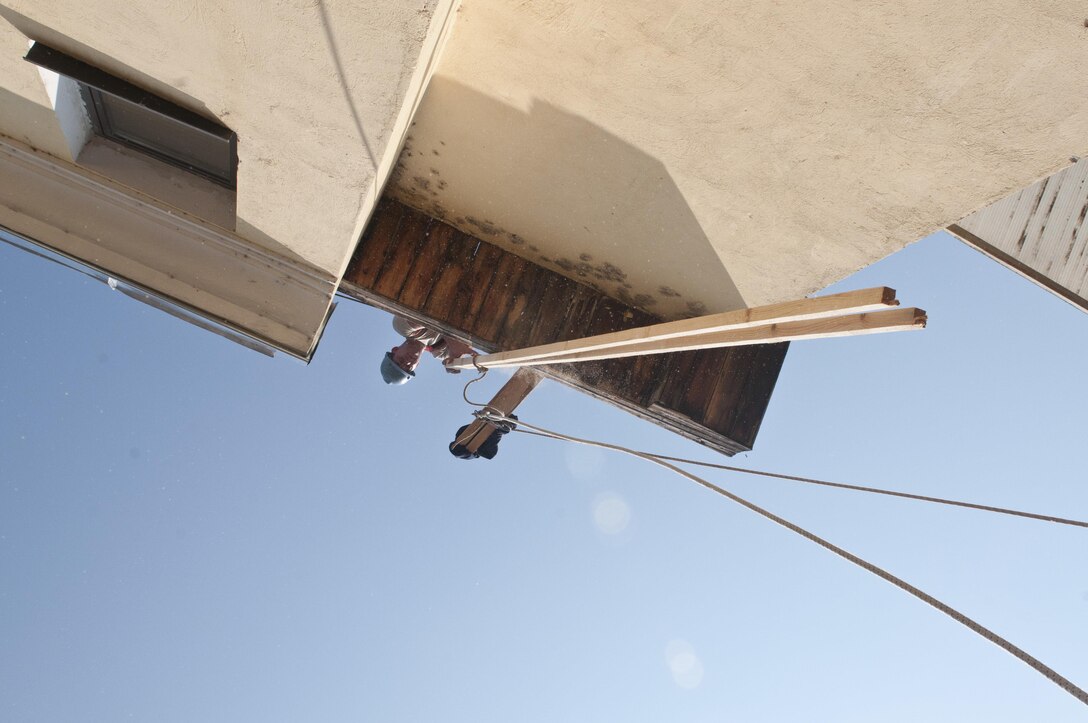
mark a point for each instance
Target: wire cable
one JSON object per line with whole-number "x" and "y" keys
{"x": 859, "y": 488}
{"x": 1033, "y": 662}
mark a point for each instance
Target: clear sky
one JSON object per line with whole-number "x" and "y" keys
{"x": 190, "y": 531}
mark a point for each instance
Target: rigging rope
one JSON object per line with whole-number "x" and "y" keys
{"x": 1036, "y": 664}
{"x": 858, "y": 488}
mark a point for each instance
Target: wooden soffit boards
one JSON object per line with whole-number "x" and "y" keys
{"x": 1040, "y": 232}
{"x": 412, "y": 264}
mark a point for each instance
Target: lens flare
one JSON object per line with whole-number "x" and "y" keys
{"x": 684, "y": 664}
{"x": 611, "y": 513}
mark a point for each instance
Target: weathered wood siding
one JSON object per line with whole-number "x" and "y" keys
{"x": 412, "y": 264}
{"x": 1040, "y": 231}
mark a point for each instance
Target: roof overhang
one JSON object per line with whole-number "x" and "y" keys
{"x": 709, "y": 155}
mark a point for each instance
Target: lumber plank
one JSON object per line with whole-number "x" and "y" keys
{"x": 609, "y": 377}
{"x": 505, "y": 401}
{"x": 861, "y": 300}
{"x": 848, "y": 325}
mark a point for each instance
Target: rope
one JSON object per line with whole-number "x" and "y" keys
{"x": 1036, "y": 664}
{"x": 858, "y": 488}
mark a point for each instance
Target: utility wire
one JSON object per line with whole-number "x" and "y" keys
{"x": 858, "y": 488}
{"x": 1036, "y": 664}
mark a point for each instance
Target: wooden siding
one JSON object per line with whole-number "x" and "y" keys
{"x": 1039, "y": 231}
{"x": 411, "y": 264}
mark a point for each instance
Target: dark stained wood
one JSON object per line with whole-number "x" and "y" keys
{"x": 699, "y": 384}
{"x": 500, "y": 298}
{"x": 380, "y": 236}
{"x": 411, "y": 264}
{"x": 457, "y": 261}
{"x": 554, "y": 303}
{"x": 729, "y": 390}
{"x": 645, "y": 371}
{"x": 524, "y": 307}
{"x": 610, "y": 375}
{"x": 428, "y": 263}
{"x": 580, "y": 314}
{"x": 676, "y": 370}
{"x": 472, "y": 291}
{"x": 411, "y": 236}
{"x": 759, "y": 385}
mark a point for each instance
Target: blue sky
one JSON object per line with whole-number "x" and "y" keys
{"x": 191, "y": 531}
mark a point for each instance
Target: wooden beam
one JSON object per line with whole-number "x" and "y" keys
{"x": 505, "y": 402}
{"x": 803, "y": 309}
{"x": 849, "y": 325}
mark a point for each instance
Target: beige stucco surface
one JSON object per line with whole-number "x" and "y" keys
{"x": 25, "y": 111}
{"x": 707, "y": 154}
{"x": 313, "y": 90}
{"x": 319, "y": 93}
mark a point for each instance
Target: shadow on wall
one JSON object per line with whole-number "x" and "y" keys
{"x": 34, "y": 30}
{"x": 17, "y": 112}
{"x": 556, "y": 189}
{"x": 29, "y": 122}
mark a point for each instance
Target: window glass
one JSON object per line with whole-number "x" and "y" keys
{"x": 166, "y": 138}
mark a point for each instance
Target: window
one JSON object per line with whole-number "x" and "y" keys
{"x": 129, "y": 115}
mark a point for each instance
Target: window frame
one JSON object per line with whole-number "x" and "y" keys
{"x": 93, "y": 83}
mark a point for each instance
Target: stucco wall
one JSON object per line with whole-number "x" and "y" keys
{"x": 708, "y": 154}
{"x": 313, "y": 89}
{"x": 25, "y": 112}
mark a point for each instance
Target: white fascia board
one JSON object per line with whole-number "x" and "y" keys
{"x": 279, "y": 301}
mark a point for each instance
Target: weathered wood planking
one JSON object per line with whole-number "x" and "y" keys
{"x": 1041, "y": 232}
{"x": 411, "y": 264}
